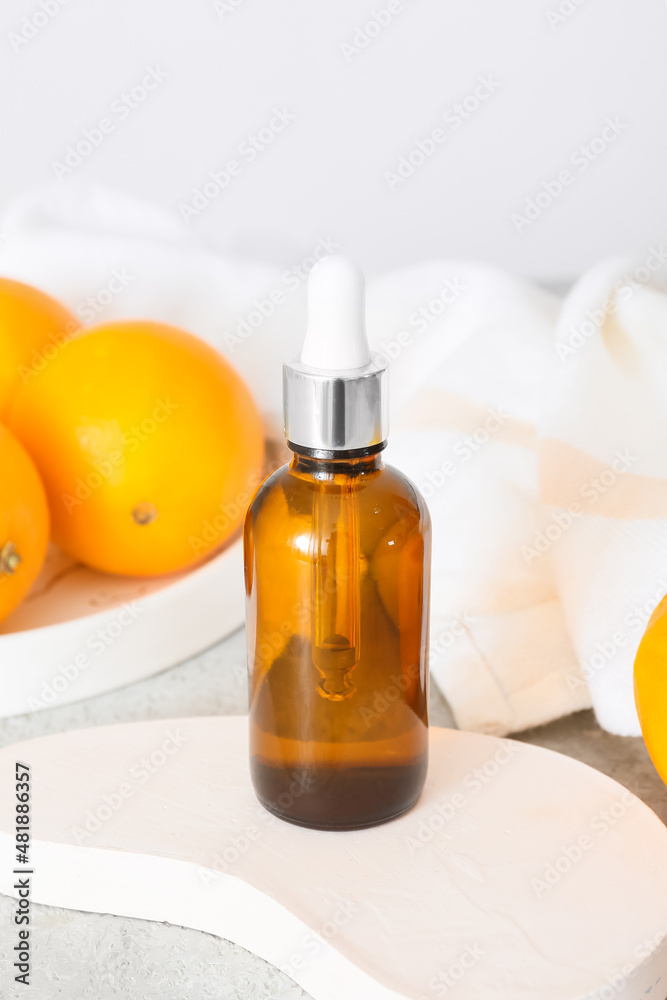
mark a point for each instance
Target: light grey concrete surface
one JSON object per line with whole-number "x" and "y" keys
{"x": 88, "y": 956}
{"x": 82, "y": 956}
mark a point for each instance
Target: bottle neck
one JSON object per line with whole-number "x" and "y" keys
{"x": 343, "y": 465}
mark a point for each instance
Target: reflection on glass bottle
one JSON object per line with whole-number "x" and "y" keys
{"x": 337, "y": 556}
{"x": 338, "y": 671}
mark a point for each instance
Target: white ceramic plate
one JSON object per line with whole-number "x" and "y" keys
{"x": 81, "y": 633}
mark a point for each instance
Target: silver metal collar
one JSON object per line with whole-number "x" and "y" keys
{"x": 335, "y": 411}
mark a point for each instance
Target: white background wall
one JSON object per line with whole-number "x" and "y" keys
{"x": 227, "y": 68}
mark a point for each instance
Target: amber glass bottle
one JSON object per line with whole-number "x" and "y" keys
{"x": 337, "y": 575}
{"x": 337, "y": 556}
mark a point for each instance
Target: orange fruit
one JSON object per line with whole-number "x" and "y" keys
{"x": 33, "y": 327}
{"x": 24, "y": 523}
{"x": 651, "y": 687}
{"x": 149, "y": 444}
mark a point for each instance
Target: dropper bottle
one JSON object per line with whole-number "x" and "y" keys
{"x": 337, "y": 557}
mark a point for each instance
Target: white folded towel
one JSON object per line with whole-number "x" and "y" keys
{"x": 603, "y": 471}
{"x": 534, "y": 428}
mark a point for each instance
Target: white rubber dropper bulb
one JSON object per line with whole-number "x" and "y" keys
{"x": 336, "y": 332}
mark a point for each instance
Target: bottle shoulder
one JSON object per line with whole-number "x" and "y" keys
{"x": 269, "y": 484}
{"x": 385, "y": 494}
{"x": 404, "y": 485}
